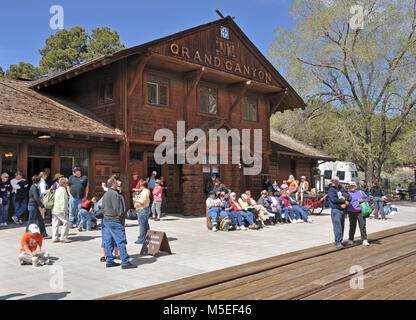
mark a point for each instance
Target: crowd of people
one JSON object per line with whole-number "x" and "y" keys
{"x": 276, "y": 205}
{"x": 66, "y": 201}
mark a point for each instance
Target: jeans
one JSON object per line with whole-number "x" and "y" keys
{"x": 248, "y": 216}
{"x": 389, "y": 209}
{"x": 354, "y": 217}
{"x": 19, "y": 207}
{"x": 143, "y": 218}
{"x": 84, "y": 218}
{"x": 74, "y": 204}
{"x": 337, "y": 217}
{"x": 378, "y": 205}
{"x": 213, "y": 213}
{"x": 278, "y": 214}
{"x": 303, "y": 211}
{"x": 234, "y": 216}
{"x": 4, "y": 212}
{"x": 34, "y": 215}
{"x": 114, "y": 233}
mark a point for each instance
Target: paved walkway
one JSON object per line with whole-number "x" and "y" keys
{"x": 196, "y": 250}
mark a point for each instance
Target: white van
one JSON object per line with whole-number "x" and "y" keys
{"x": 345, "y": 171}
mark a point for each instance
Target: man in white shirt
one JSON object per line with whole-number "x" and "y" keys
{"x": 19, "y": 195}
{"x": 399, "y": 191}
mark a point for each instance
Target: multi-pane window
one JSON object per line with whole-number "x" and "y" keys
{"x": 249, "y": 109}
{"x": 157, "y": 91}
{"x": 106, "y": 92}
{"x": 8, "y": 162}
{"x": 208, "y": 100}
{"x": 71, "y": 157}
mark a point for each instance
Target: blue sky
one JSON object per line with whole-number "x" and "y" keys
{"x": 24, "y": 24}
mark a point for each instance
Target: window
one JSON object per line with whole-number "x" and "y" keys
{"x": 71, "y": 157}
{"x": 8, "y": 159}
{"x": 354, "y": 174}
{"x": 293, "y": 166}
{"x": 106, "y": 92}
{"x": 327, "y": 174}
{"x": 249, "y": 109}
{"x": 136, "y": 155}
{"x": 341, "y": 175}
{"x": 157, "y": 91}
{"x": 207, "y": 171}
{"x": 208, "y": 100}
{"x": 40, "y": 150}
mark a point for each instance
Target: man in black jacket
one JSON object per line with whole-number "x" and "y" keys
{"x": 114, "y": 233}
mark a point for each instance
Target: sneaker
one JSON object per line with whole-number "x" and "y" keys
{"x": 365, "y": 243}
{"x": 238, "y": 228}
{"x": 300, "y": 221}
{"x": 137, "y": 242}
{"x": 114, "y": 264}
{"x": 5, "y": 224}
{"x": 310, "y": 220}
{"x": 350, "y": 243}
{"x": 20, "y": 221}
{"x": 243, "y": 228}
{"x": 294, "y": 221}
{"x": 253, "y": 226}
{"x": 102, "y": 259}
{"x": 80, "y": 230}
{"x": 129, "y": 266}
{"x": 56, "y": 240}
{"x": 339, "y": 246}
{"x": 214, "y": 228}
{"x": 117, "y": 258}
{"x": 16, "y": 221}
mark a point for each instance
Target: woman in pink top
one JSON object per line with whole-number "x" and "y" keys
{"x": 157, "y": 200}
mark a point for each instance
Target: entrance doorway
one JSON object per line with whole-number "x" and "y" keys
{"x": 36, "y": 165}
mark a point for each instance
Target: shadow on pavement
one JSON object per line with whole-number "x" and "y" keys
{"x": 12, "y": 295}
{"x": 83, "y": 238}
{"x": 48, "y": 296}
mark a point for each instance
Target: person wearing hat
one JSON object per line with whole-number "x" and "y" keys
{"x": 247, "y": 215}
{"x": 338, "y": 202}
{"x": 31, "y": 251}
{"x": 354, "y": 214}
{"x": 134, "y": 185}
{"x": 55, "y": 181}
{"x": 5, "y": 191}
{"x": 219, "y": 187}
{"x": 60, "y": 212}
{"x": 151, "y": 181}
{"x": 78, "y": 187}
{"x": 210, "y": 183}
{"x": 157, "y": 193}
{"x": 302, "y": 188}
{"x": 227, "y": 211}
{"x": 215, "y": 207}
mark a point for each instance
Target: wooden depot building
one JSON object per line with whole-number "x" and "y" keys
{"x": 103, "y": 114}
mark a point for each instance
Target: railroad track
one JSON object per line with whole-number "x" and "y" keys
{"x": 317, "y": 273}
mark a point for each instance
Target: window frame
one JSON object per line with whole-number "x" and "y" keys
{"x": 105, "y": 83}
{"x": 158, "y": 84}
{"x": 256, "y": 102}
{"x": 207, "y": 86}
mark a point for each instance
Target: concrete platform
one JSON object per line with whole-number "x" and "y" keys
{"x": 78, "y": 274}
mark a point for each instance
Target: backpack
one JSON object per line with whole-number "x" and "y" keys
{"x": 48, "y": 199}
{"x": 22, "y": 192}
{"x": 131, "y": 214}
{"x": 226, "y": 224}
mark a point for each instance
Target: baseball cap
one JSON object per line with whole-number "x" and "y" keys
{"x": 34, "y": 228}
{"x": 211, "y": 192}
{"x": 233, "y": 194}
{"x": 223, "y": 193}
{"x": 157, "y": 181}
{"x": 76, "y": 169}
{"x": 303, "y": 177}
{"x": 352, "y": 183}
{"x": 244, "y": 196}
{"x": 154, "y": 172}
{"x": 336, "y": 178}
{"x": 213, "y": 174}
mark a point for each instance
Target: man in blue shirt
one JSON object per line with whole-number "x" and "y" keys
{"x": 78, "y": 186}
{"x": 338, "y": 202}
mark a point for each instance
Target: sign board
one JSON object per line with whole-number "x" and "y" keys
{"x": 154, "y": 242}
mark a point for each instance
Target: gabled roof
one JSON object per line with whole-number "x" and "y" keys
{"x": 24, "y": 109}
{"x": 292, "y": 100}
{"x": 284, "y": 144}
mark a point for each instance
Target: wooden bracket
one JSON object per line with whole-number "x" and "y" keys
{"x": 242, "y": 87}
{"x": 280, "y": 95}
{"x": 194, "y": 77}
{"x": 142, "y": 63}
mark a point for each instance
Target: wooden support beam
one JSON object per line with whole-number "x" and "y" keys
{"x": 139, "y": 72}
{"x": 242, "y": 88}
{"x": 194, "y": 77}
{"x": 279, "y": 101}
